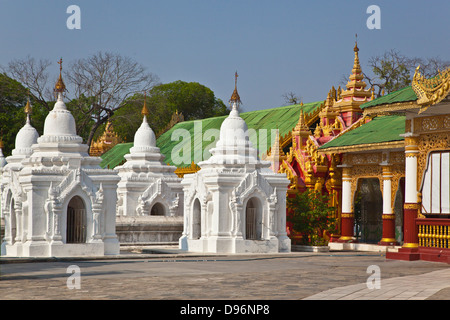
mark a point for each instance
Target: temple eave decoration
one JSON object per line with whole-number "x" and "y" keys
{"x": 431, "y": 91}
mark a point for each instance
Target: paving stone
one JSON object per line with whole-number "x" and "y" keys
{"x": 237, "y": 277}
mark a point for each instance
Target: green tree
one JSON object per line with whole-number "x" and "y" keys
{"x": 193, "y": 100}
{"x": 310, "y": 215}
{"x": 13, "y": 98}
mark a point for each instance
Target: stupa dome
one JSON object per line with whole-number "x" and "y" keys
{"x": 144, "y": 136}
{"x": 59, "y": 121}
{"x": 26, "y": 137}
{"x": 234, "y": 130}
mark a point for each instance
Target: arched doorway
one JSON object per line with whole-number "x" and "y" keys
{"x": 368, "y": 210}
{"x": 253, "y": 220}
{"x": 196, "y": 220}
{"x": 157, "y": 210}
{"x": 76, "y": 221}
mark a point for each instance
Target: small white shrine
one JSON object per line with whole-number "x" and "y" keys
{"x": 58, "y": 200}
{"x": 10, "y": 187}
{"x": 235, "y": 203}
{"x": 150, "y": 194}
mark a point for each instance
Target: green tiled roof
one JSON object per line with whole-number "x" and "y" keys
{"x": 403, "y": 95}
{"x": 283, "y": 118}
{"x": 380, "y": 129}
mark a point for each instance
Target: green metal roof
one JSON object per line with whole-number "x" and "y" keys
{"x": 380, "y": 129}
{"x": 114, "y": 156}
{"x": 403, "y": 95}
{"x": 260, "y": 124}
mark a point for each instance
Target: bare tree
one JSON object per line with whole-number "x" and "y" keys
{"x": 291, "y": 98}
{"x": 393, "y": 71}
{"x": 32, "y": 74}
{"x": 98, "y": 86}
{"x": 107, "y": 79}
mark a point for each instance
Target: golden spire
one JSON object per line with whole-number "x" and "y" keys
{"x": 301, "y": 124}
{"x": 356, "y": 49}
{"x": 356, "y": 66}
{"x": 27, "y": 109}
{"x": 235, "y": 96}
{"x": 144, "y": 111}
{"x": 60, "y": 86}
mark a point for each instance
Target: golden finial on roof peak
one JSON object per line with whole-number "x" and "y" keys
{"x": 235, "y": 96}
{"x": 356, "y": 49}
{"x": 27, "y": 108}
{"x": 145, "y": 111}
{"x": 60, "y": 86}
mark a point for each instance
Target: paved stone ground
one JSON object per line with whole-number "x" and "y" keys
{"x": 166, "y": 276}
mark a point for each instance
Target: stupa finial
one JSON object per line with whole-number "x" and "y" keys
{"x": 144, "y": 111}
{"x": 60, "y": 87}
{"x": 235, "y": 96}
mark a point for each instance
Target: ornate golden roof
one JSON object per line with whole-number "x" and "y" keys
{"x": 355, "y": 95}
{"x": 106, "y": 141}
{"x": 431, "y": 91}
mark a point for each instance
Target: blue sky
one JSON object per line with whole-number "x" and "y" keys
{"x": 276, "y": 46}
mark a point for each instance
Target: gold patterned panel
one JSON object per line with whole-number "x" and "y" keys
{"x": 432, "y": 124}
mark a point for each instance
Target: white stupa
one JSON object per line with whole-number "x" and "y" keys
{"x": 235, "y": 203}
{"x": 12, "y": 191}
{"x": 65, "y": 203}
{"x": 150, "y": 195}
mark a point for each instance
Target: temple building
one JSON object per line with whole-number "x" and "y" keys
{"x": 395, "y": 180}
{"x": 60, "y": 202}
{"x": 150, "y": 195}
{"x": 308, "y": 169}
{"x": 105, "y": 142}
{"x": 234, "y": 203}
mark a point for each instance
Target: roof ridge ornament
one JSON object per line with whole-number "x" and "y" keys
{"x": 430, "y": 91}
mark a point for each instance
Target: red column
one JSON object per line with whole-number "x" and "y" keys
{"x": 388, "y": 237}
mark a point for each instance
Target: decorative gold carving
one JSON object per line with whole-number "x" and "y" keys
{"x": 347, "y": 215}
{"x": 388, "y": 216}
{"x": 432, "y": 124}
{"x": 105, "y": 142}
{"x": 193, "y": 168}
{"x": 411, "y": 206}
{"x": 431, "y": 91}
